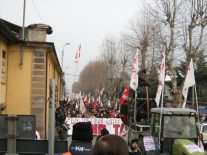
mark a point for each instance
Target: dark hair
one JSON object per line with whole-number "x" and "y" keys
{"x": 110, "y": 145}
{"x": 104, "y": 131}
{"x": 135, "y": 141}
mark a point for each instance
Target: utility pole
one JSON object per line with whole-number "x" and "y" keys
{"x": 23, "y": 35}
{"x": 52, "y": 118}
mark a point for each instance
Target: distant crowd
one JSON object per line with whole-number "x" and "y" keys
{"x": 73, "y": 109}
{"x": 106, "y": 143}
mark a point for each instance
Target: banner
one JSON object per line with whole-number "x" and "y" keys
{"x": 149, "y": 144}
{"x": 113, "y": 125}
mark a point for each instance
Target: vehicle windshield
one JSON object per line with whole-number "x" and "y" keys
{"x": 179, "y": 127}
{"x": 205, "y": 128}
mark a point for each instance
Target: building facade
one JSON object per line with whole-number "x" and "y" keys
{"x": 27, "y": 65}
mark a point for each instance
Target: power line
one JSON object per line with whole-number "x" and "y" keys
{"x": 41, "y": 19}
{"x": 37, "y": 11}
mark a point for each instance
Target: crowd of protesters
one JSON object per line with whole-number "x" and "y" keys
{"x": 72, "y": 109}
{"x": 106, "y": 143}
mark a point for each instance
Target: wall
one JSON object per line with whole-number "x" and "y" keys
{"x": 3, "y": 46}
{"x": 18, "y": 96}
{"x": 39, "y": 87}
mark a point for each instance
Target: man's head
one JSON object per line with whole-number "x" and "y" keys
{"x": 134, "y": 144}
{"x": 104, "y": 131}
{"x": 82, "y": 131}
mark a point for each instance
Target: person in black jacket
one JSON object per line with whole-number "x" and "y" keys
{"x": 82, "y": 137}
{"x": 104, "y": 132}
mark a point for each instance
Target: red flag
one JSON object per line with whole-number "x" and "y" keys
{"x": 88, "y": 100}
{"x": 125, "y": 95}
{"x": 95, "y": 103}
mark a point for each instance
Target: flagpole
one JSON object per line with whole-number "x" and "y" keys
{"x": 147, "y": 102}
{"x": 196, "y": 97}
{"x": 134, "y": 82}
{"x": 193, "y": 95}
{"x": 162, "y": 100}
{"x": 75, "y": 72}
{"x": 161, "y": 116}
{"x": 77, "y": 57}
{"x": 135, "y": 107}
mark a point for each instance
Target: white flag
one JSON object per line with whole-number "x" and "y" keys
{"x": 101, "y": 92}
{"x": 189, "y": 81}
{"x": 82, "y": 106}
{"x": 161, "y": 80}
{"x": 77, "y": 55}
{"x": 134, "y": 76}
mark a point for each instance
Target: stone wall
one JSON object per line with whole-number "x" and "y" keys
{"x": 39, "y": 88}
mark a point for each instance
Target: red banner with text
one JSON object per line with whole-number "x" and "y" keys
{"x": 113, "y": 125}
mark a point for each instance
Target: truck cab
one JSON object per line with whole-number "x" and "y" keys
{"x": 174, "y": 131}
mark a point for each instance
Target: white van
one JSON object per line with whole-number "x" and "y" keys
{"x": 203, "y": 129}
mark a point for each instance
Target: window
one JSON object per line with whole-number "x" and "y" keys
{"x": 3, "y": 67}
{"x": 179, "y": 127}
{"x": 155, "y": 123}
{"x": 205, "y": 128}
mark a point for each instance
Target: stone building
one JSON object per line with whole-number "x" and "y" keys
{"x": 27, "y": 65}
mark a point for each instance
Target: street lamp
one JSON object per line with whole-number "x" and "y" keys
{"x": 63, "y": 52}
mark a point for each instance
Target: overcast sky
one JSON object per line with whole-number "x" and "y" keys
{"x": 85, "y": 22}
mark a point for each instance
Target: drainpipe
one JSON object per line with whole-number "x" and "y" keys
{"x": 23, "y": 36}
{"x": 46, "y": 99}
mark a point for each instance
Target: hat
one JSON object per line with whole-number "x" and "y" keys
{"x": 82, "y": 131}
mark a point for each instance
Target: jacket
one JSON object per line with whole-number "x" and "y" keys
{"x": 80, "y": 148}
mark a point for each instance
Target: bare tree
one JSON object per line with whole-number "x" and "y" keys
{"x": 93, "y": 76}
{"x": 167, "y": 14}
{"x": 180, "y": 19}
{"x": 194, "y": 29}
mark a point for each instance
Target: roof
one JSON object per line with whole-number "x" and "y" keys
{"x": 9, "y": 30}
{"x": 174, "y": 111}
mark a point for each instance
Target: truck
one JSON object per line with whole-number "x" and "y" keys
{"x": 174, "y": 131}
{"x": 202, "y": 126}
